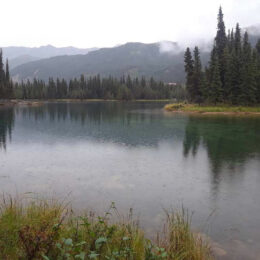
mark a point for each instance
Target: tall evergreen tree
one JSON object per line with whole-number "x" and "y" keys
{"x": 2, "y": 76}
{"x": 196, "y": 89}
{"x": 2, "y": 72}
{"x": 237, "y": 40}
{"x": 221, "y": 43}
{"x": 233, "y": 75}
{"x": 189, "y": 66}
{"x": 258, "y": 46}
{"x": 7, "y": 73}
{"x": 221, "y": 38}
{"x": 256, "y": 55}
{"x": 236, "y": 68}
{"x": 228, "y": 74}
{"x": 248, "y": 85}
{"x": 215, "y": 91}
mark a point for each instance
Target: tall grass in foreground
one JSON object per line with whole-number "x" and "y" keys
{"x": 49, "y": 230}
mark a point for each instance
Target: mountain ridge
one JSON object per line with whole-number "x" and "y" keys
{"x": 135, "y": 58}
{"x": 19, "y": 55}
{"x": 161, "y": 60}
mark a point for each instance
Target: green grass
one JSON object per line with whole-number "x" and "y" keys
{"x": 212, "y": 109}
{"x": 49, "y": 230}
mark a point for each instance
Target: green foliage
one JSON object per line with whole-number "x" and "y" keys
{"x": 99, "y": 88}
{"x": 189, "y": 66}
{"x": 212, "y": 109}
{"x": 233, "y": 74}
{"x": 6, "y": 85}
{"x": 49, "y": 231}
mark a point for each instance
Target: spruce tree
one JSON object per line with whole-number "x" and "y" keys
{"x": 256, "y": 55}
{"x": 221, "y": 38}
{"x": 189, "y": 65}
{"x": 215, "y": 91}
{"x": 196, "y": 89}
{"x": 7, "y": 74}
{"x": 248, "y": 85}
{"x": 2, "y": 72}
{"x": 2, "y": 76}
{"x": 236, "y": 68}
{"x": 258, "y": 46}
{"x": 237, "y": 40}
{"x": 221, "y": 43}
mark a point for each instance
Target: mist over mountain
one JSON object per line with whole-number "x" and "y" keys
{"x": 254, "y": 33}
{"x": 162, "y": 60}
{"x": 21, "y": 55}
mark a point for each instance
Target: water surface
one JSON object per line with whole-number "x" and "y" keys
{"x": 139, "y": 156}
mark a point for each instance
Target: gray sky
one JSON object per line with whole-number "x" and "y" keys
{"x": 104, "y": 23}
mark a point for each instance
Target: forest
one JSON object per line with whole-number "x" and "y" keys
{"x": 233, "y": 73}
{"x": 95, "y": 87}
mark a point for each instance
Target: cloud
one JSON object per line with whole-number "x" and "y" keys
{"x": 169, "y": 47}
{"x": 102, "y": 23}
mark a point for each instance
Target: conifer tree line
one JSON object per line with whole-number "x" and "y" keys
{"x": 6, "y": 85}
{"x": 95, "y": 87}
{"x": 233, "y": 73}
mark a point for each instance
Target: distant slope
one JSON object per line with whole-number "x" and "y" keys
{"x": 163, "y": 61}
{"x": 21, "y": 60}
{"x": 21, "y": 55}
{"x": 254, "y": 33}
{"x": 135, "y": 59}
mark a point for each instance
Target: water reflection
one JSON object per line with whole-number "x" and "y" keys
{"x": 100, "y": 150}
{"x": 131, "y": 124}
{"x": 6, "y": 125}
{"x": 229, "y": 141}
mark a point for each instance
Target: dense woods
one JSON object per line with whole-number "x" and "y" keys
{"x": 6, "y": 85}
{"x": 96, "y": 87}
{"x": 233, "y": 73}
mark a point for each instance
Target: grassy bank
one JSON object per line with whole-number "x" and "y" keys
{"x": 49, "y": 230}
{"x": 224, "y": 109}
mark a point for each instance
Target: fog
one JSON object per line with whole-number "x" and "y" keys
{"x": 102, "y": 23}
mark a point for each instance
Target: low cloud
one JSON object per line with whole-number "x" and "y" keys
{"x": 169, "y": 47}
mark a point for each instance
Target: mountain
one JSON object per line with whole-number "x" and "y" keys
{"x": 21, "y": 60}
{"x": 254, "y": 33}
{"x": 21, "y": 55}
{"x": 162, "y": 61}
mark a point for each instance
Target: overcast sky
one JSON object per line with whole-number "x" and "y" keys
{"x": 104, "y": 23}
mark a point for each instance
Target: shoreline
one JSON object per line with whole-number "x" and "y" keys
{"x": 32, "y": 102}
{"x": 213, "y": 110}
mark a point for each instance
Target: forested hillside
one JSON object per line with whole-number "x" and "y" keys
{"x": 134, "y": 59}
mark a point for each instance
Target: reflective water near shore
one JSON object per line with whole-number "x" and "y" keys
{"x": 140, "y": 156}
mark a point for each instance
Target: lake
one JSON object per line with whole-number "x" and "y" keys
{"x": 137, "y": 155}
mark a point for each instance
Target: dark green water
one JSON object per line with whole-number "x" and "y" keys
{"x": 139, "y": 156}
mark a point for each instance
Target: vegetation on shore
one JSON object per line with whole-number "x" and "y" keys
{"x": 182, "y": 107}
{"x": 49, "y": 230}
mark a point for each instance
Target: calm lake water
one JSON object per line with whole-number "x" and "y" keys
{"x": 139, "y": 156}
